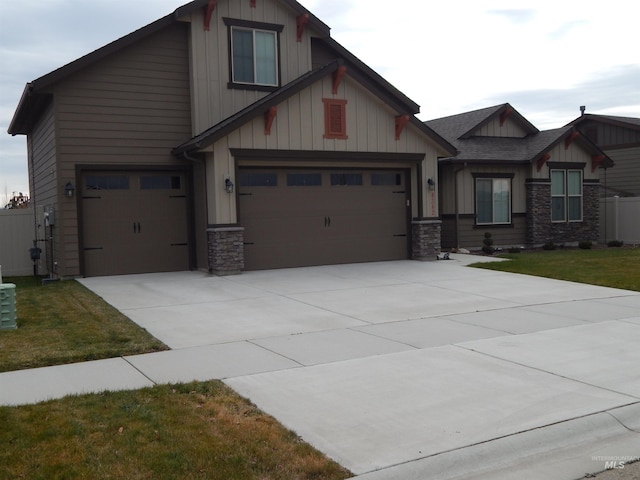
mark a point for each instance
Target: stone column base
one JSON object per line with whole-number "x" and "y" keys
{"x": 425, "y": 239}
{"x": 226, "y": 250}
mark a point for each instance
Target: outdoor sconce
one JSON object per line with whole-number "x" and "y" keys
{"x": 228, "y": 185}
{"x": 69, "y": 189}
{"x": 431, "y": 183}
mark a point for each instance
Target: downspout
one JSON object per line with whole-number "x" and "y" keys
{"x": 456, "y": 206}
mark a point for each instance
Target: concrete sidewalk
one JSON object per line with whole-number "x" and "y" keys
{"x": 397, "y": 370}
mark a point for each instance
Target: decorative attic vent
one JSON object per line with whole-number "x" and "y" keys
{"x": 335, "y": 118}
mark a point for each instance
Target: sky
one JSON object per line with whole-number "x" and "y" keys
{"x": 544, "y": 57}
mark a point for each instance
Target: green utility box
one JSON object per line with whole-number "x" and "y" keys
{"x": 8, "y": 306}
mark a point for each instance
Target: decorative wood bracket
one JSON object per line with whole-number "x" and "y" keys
{"x": 596, "y": 160}
{"x": 569, "y": 140}
{"x": 504, "y": 115}
{"x": 301, "y": 23}
{"x": 338, "y": 75}
{"x": 401, "y": 121}
{"x": 252, "y": 3}
{"x": 269, "y": 116}
{"x": 542, "y": 160}
{"x": 208, "y": 12}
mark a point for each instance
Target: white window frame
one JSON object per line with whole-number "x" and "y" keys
{"x": 493, "y": 200}
{"x": 566, "y": 195}
{"x": 254, "y": 56}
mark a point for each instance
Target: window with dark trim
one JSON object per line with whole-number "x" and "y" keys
{"x": 160, "y": 182}
{"x": 493, "y": 201}
{"x": 107, "y": 182}
{"x": 335, "y": 118}
{"x": 258, "y": 179}
{"x": 304, "y": 179}
{"x": 346, "y": 179}
{"x": 566, "y": 195}
{"x": 253, "y": 54}
{"x": 386, "y": 179}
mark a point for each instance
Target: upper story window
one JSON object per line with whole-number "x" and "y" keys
{"x": 493, "y": 200}
{"x": 254, "y": 54}
{"x": 566, "y": 195}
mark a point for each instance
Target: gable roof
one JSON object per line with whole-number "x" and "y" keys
{"x": 33, "y": 100}
{"x": 457, "y": 129}
{"x": 463, "y": 125}
{"x": 626, "y": 122}
{"x": 235, "y": 121}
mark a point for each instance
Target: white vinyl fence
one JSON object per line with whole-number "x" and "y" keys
{"x": 16, "y": 238}
{"x": 620, "y": 219}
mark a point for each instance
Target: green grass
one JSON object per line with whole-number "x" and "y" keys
{"x": 200, "y": 430}
{"x": 608, "y": 267}
{"x": 63, "y": 322}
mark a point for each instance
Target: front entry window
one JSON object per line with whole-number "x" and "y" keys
{"x": 493, "y": 201}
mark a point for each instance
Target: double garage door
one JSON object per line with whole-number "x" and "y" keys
{"x": 134, "y": 222}
{"x": 318, "y": 217}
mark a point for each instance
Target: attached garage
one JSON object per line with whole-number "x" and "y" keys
{"x": 134, "y": 222}
{"x": 300, "y": 217}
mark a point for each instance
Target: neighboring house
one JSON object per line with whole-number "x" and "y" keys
{"x": 619, "y": 138}
{"x": 229, "y": 135}
{"x": 524, "y": 186}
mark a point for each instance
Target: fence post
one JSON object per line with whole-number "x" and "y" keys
{"x": 616, "y": 216}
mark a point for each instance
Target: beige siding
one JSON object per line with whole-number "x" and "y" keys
{"x": 212, "y": 100}
{"x": 131, "y": 108}
{"x": 508, "y": 129}
{"x": 625, "y": 175}
{"x": 573, "y": 154}
{"x": 299, "y": 125}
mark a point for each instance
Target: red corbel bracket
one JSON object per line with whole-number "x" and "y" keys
{"x": 208, "y": 11}
{"x": 542, "y": 160}
{"x": 338, "y": 75}
{"x": 301, "y": 22}
{"x": 596, "y": 160}
{"x": 252, "y": 3}
{"x": 269, "y": 116}
{"x": 401, "y": 121}
{"x": 569, "y": 140}
{"x": 504, "y": 115}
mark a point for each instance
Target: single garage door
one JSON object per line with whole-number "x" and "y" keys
{"x": 134, "y": 222}
{"x": 297, "y": 218}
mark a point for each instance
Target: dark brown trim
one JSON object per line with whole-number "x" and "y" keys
{"x": 317, "y": 155}
{"x": 619, "y": 146}
{"x": 236, "y": 22}
{"x": 493, "y": 175}
{"x": 566, "y": 165}
{"x": 591, "y": 181}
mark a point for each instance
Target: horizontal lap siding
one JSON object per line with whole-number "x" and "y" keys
{"x": 471, "y": 236}
{"x": 131, "y": 108}
{"x": 625, "y": 175}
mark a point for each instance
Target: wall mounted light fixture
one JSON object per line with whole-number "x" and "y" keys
{"x": 69, "y": 189}
{"x": 431, "y": 183}
{"x": 228, "y": 185}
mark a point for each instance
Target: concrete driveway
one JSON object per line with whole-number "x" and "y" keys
{"x": 408, "y": 370}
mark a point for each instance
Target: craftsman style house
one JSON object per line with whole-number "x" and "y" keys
{"x": 524, "y": 186}
{"x": 228, "y": 135}
{"x": 619, "y": 138}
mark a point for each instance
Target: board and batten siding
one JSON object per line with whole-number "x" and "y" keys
{"x": 573, "y": 154}
{"x": 625, "y": 174}
{"x": 299, "y": 125}
{"x": 130, "y": 108}
{"x": 508, "y": 129}
{"x": 212, "y": 99}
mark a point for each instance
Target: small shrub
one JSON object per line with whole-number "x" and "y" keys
{"x": 487, "y": 244}
{"x": 549, "y": 246}
{"x": 585, "y": 245}
{"x": 615, "y": 243}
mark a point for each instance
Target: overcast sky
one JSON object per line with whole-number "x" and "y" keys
{"x": 545, "y": 57}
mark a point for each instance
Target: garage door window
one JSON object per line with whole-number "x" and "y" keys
{"x": 160, "y": 182}
{"x": 258, "y": 179}
{"x": 304, "y": 179}
{"x": 386, "y": 179}
{"x": 346, "y": 179}
{"x": 107, "y": 182}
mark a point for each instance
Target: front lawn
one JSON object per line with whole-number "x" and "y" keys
{"x": 64, "y": 322}
{"x": 201, "y": 430}
{"x": 608, "y": 267}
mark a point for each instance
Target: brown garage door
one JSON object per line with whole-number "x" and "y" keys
{"x": 318, "y": 217}
{"x": 134, "y": 222}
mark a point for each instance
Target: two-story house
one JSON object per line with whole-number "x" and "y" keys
{"x": 228, "y": 135}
